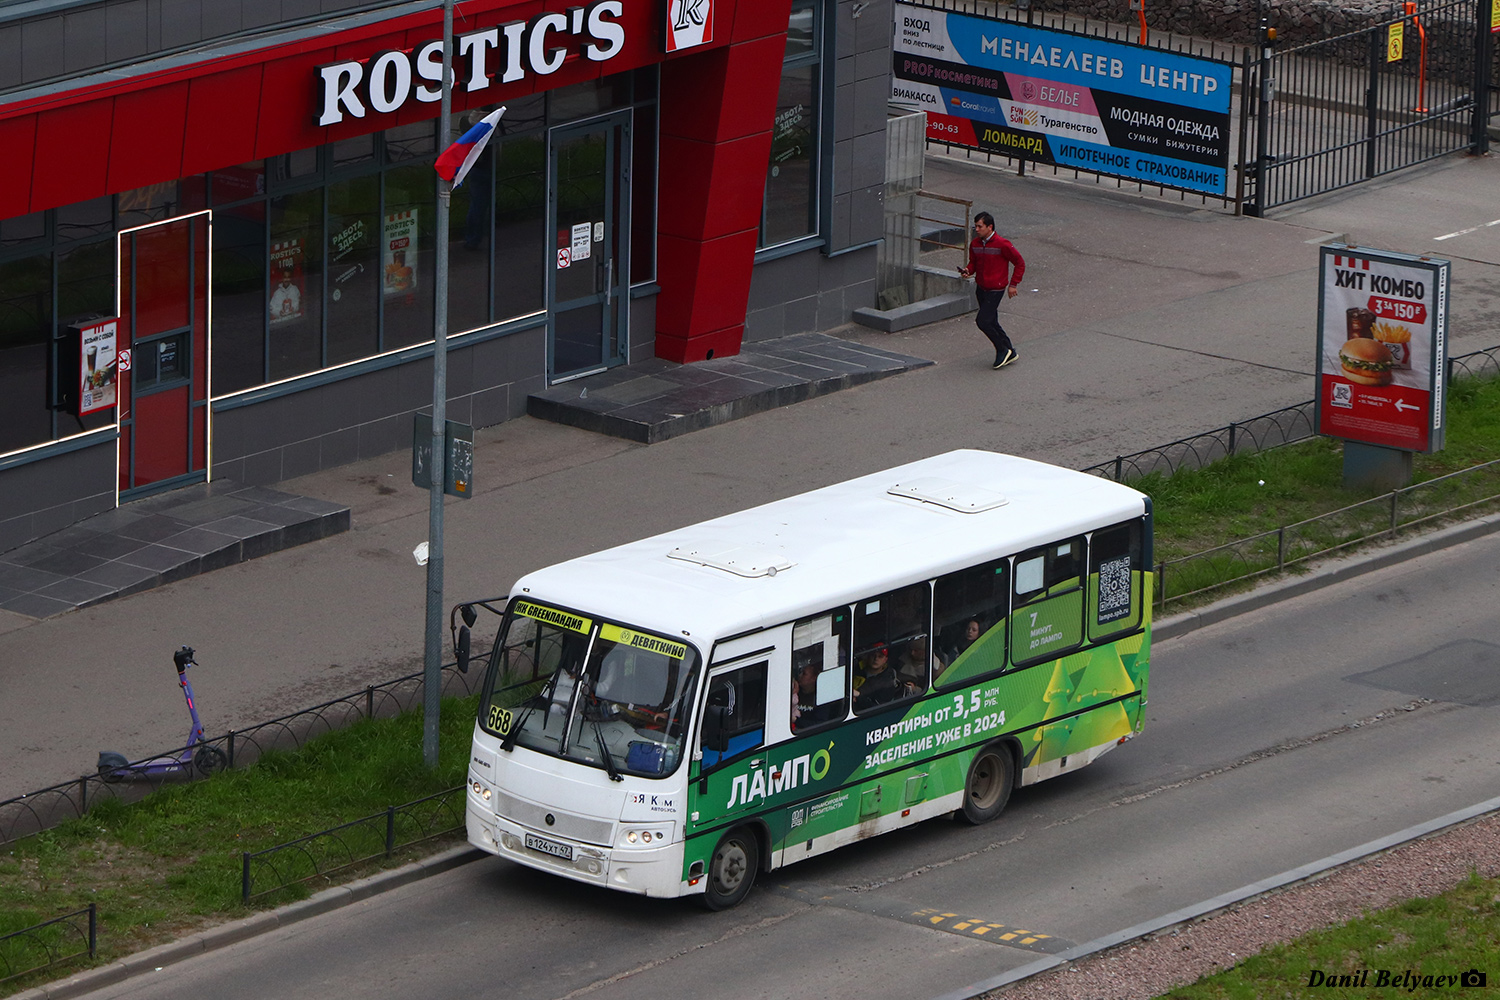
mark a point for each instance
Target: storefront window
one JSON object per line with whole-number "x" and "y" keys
{"x": 409, "y": 253}
{"x": 791, "y": 202}
{"x": 643, "y": 196}
{"x": 25, "y": 327}
{"x": 352, "y": 152}
{"x": 296, "y": 304}
{"x": 23, "y": 229}
{"x": 520, "y": 226}
{"x": 85, "y": 291}
{"x": 152, "y": 203}
{"x": 791, "y": 178}
{"x": 232, "y": 184}
{"x": 592, "y": 97}
{"x": 84, "y": 219}
{"x": 408, "y": 142}
{"x": 239, "y": 296}
{"x": 354, "y": 269}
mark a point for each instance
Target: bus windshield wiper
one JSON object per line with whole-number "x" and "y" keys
{"x": 609, "y": 762}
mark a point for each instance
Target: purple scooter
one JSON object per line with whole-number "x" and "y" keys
{"x": 198, "y": 756}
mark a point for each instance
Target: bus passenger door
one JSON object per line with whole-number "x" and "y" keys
{"x": 730, "y": 770}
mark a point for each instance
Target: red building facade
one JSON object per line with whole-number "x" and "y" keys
{"x": 257, "y": 215}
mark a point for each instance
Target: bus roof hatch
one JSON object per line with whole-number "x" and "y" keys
{"x": 962, "y": 497}
{"x": 742, "y": 560}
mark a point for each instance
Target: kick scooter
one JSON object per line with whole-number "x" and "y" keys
{"x": 198, "y": 756}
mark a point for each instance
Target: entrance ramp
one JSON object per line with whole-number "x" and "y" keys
{"x": 159, "y": 540}
{"x": 653, "y": 400}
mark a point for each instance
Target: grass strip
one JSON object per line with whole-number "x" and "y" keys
{"x": 1419, "y": 948}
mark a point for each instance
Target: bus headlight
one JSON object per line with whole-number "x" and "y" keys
{"x": 644, "y": 836}
{"x": 479, "y": 789}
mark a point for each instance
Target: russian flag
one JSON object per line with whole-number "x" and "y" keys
{"x": 454, "y": 162}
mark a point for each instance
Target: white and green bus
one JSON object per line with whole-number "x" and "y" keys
{"x": 673, "y": 716}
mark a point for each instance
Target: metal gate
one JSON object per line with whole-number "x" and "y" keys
{"x": 1342, "y": 110}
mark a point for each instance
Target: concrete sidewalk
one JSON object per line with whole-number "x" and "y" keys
{"x": 1141, "y": 321}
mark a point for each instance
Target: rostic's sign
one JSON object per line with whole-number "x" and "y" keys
{"x": 504, "y": 53}
{"x": 1382, "y": 351}
{"x": 1056, "y": 97}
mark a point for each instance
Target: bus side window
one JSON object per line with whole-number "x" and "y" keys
{"x": 820, "y": 671}
{"x": 969, "y": 612}
{"x": 1115, "y": 581}
{"x": 1047, "y": 616}
{"x": 890, "y": 646}
{"x": 734, "y": 720}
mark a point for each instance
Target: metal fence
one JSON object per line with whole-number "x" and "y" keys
{"x": 45, "y": 808}
{"x": 1467, "y": 493}
{"x": 1340, "y": 110}
{"x": 49, "y": 944}
{"x": 1287, "y": 425}
{"x": 320, "y": 855}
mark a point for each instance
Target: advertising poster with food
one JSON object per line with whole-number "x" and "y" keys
{"x": 1381, "y": 352}
{"x": 98, "y": 365}
{"x": 1055, "y": 97}
{"x": 287, "y": 282}
{"x": 401, "y": 252}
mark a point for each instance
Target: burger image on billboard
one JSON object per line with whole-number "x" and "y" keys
{"x": 1366, "y": 362}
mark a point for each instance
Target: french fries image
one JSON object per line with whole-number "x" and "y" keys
{"x": 1391, "y": 333}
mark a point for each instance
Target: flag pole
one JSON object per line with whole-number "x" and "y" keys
{"x": 433, "y": 658}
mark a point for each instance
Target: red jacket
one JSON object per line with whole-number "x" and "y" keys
{"x": 991, "y": 261}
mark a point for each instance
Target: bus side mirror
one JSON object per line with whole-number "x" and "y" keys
{"x": 468, "y": 614}
{"x": 462, "y": 649}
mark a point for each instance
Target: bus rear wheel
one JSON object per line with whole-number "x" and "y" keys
{"x": 732, "y": 869}
{"x": 991, "y": 777}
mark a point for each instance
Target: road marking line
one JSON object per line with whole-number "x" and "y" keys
{"x": 1464, "y": 232}
{"x": 946, "y": 921}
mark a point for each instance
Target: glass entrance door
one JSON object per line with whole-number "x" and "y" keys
{"x": 588, "y": 208}
{"x": 163, "y": 356}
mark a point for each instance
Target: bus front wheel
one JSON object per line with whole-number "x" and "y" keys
{"x": 732, "y": 869}
{"x": 991, "y": 777}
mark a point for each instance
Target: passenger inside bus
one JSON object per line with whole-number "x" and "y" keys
{"x": 911, "y": 668}
{"x": 877, "y": 683}
{"x": 806, "y": 712}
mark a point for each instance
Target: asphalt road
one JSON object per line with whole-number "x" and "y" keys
{"x": 1141, "y": 321}
{"x": 1273, "y": 740}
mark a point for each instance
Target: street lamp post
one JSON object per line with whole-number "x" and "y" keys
{"x": 432, "y": 665}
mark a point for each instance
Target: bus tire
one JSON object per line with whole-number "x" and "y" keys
{"x": 732, "y": 869}
{"x": 992, "y": 775}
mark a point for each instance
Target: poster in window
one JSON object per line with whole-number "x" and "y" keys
{"x": 288, "y": 284}
{"x": 97, "y": 365}
{"x": 400, "y": 253}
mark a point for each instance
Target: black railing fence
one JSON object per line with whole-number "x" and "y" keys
{"x": 49, "y": 944}
{"x": 319, "y": 855}
{"x": 47, "y": 807}
{"x": 1287, "y": 425}
{"x": 1468, "y": 493}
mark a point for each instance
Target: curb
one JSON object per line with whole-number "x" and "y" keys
{"x": 155, "y": 959}
{"x": 1323, "y": 575}
{"x": 1224, "y": 901}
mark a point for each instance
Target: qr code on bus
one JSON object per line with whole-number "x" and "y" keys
{"x": 1114, "y": 589}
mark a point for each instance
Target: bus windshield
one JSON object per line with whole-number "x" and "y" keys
{"x": 595, "y": 692}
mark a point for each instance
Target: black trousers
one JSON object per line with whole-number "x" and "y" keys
{"x": 988, "y": 320}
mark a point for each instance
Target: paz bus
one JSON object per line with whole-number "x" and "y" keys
{"x": 676, "y": 715}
